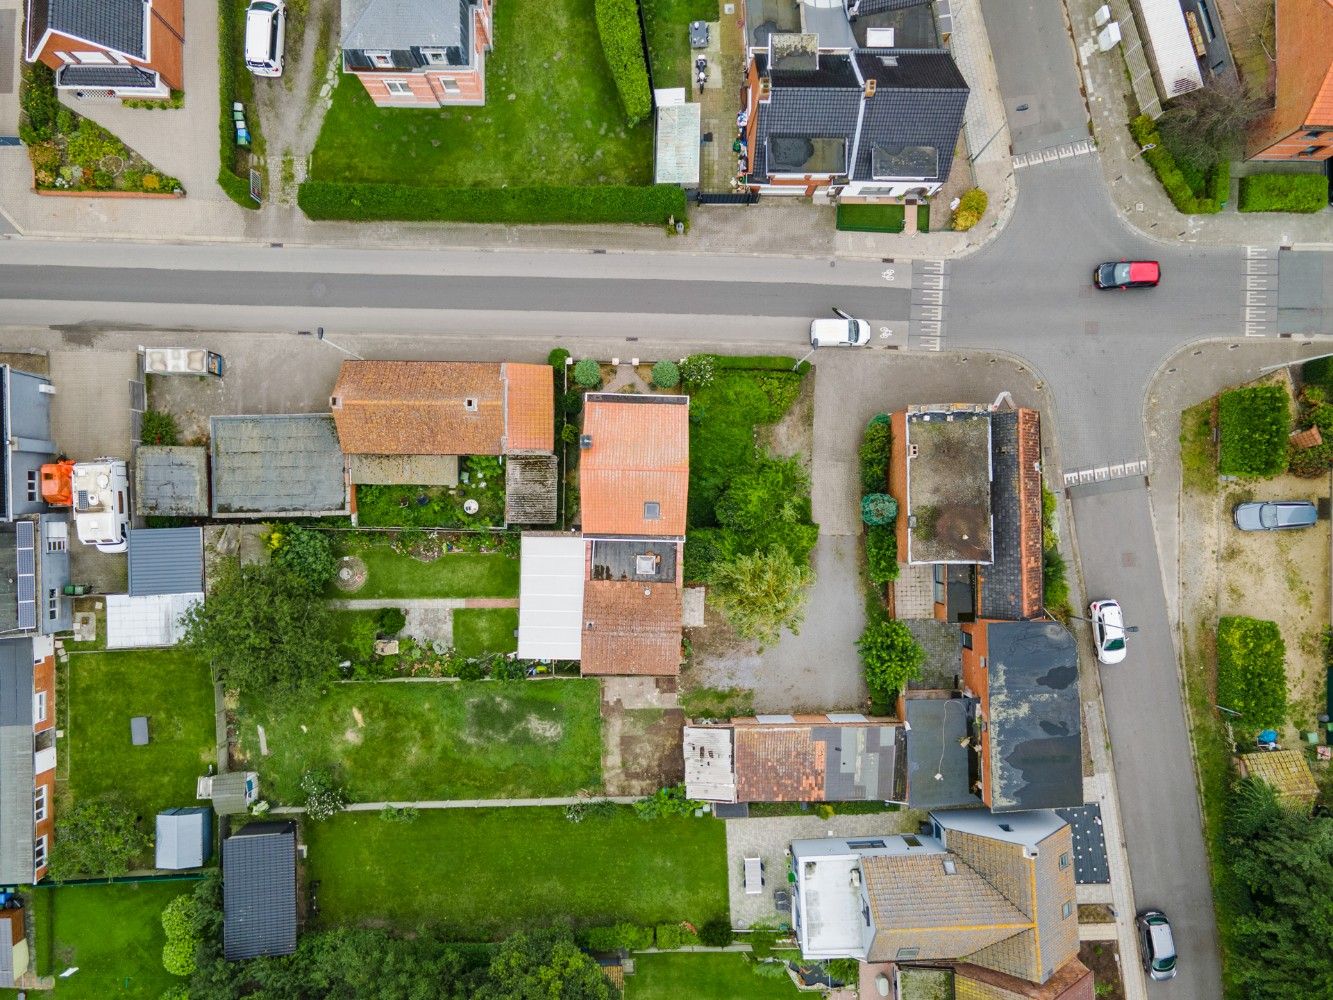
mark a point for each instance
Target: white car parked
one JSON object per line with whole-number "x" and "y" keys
{"x": 841, "y": 332}
{"x": 1108, "y": 630}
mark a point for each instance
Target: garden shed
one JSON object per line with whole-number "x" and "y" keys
{"x": 153, "y": 620}
{"x": 283, "y": 465}
{"x": 184, "y": 838}
{"x": 166, "y": 561}
{"x": 259, "y": 891}
{"x": 171, "y": 481}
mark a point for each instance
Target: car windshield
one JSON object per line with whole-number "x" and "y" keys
{"x": 1121, "y": 274}
{"x": 1164, "y": 964}
{"x": 851, "y": 331}
{"x": 1115, "y": 645}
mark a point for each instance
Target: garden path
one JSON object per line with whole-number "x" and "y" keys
{"x": 424, "y": 603}
{"x": 567, "y": 800}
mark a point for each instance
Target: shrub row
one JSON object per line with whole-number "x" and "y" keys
{"x": 881, "y": 538}
{"x": 1283, "y": 193}
{"x": 632, "y": 937}
{"x": 1251, "y": 670}
{"x": 1172, "y": 177}
{"x": 622, "y": 43}
{"x": 233, "y": 85}
{"x": 1255, "y": 422}
{"x": 604, "y": 203}
{"x": 971, "y": 207}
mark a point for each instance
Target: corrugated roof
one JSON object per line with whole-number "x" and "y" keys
{"x": 638, "y": 456}
{"x": 183, "y": 838}
{"x": 529, "y": 408}
{"x": 171, "y": 481}
{"x": 709, "y": 769}
{"x": 259, "y": 891}
{"x": 1168, "y": 42}
{"x": 277, "y": 464}
{"x": 550, "y": 597}
{"x": 631, "y": 628}
{"x": 676, "y": 144}
{"x": 166, "y": 561}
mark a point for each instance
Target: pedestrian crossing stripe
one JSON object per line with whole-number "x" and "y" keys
{"x": 1054, "y": 153}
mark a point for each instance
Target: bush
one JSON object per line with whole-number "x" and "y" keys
{"x": 669, "y": 801}
{"x": 600, "y": 203}
{"x": 95, "y": 838}
{"x": 158, "y": 428}
{"x": 844, "y": 970}
{"x": 1177, "y": 186}
{"x": 40, "y": 105}
{"x": 876, "y": 448}
{"x": 1319, "y": 372}
{"x": 878, "y": 508}
{"x": 1251, "y": 670}
{"x": 390, "y": 621}
{"x": 400, "y": 814}
{"x": 178, "y": 957}
{"x": 181, "y": 922}
{"x": 588, "y": 373}
{"x": 305, "y": 553}
{"x": 1255, "y": 422}
{"x": 971, "y": 207}
{"x": 824, "y": 810}
{"x": 891, "y": 657}
{"x": 882, "y": 553}
{"x": 556, "y": 359}
{"x": 622, "y": 44}
{"x": 716, "y": 933}
{"x": 620, "y": 937}
{"x": 666, "y": 374}
{"x": 1283, "y": 193}
{"x": 696, "y": 371}
{"x": 324, "y": 796}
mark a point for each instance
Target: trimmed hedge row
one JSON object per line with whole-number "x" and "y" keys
{"x": 632, "y": 937}
{"x": 1172, "y": 177}
{"x": 622, "y": 43}
{"x": 512, "y": 205}
{"x": 1254, "y": 422}
{"x": 233, "y": 86}
{"x": 1251, "y": 670}
{"x": 1283, "y": 193}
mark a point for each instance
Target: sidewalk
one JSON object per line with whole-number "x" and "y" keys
{"x": 1134, "y": 188}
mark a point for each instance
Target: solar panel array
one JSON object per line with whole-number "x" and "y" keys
{"x": 27, "y": 574}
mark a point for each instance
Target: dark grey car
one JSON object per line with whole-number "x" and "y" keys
{"x": 1275, "y": 515}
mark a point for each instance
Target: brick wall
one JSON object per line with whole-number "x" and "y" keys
{"x": 898, "y": 478}
{"x": 167, "y": 41}
{"x": 44, "y": 680}
{"x": 976, "y": 679}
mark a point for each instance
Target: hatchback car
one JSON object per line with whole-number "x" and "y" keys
{"x": 1108, "y": 630}
{"x": 1277, "y": 515}
{"x": 1127, "y": 274}
{"x": 1157, "y": 946}
{"x": 841, "y": 332}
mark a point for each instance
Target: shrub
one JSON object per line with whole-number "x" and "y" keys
{"x": 716, "y": 933}
{"x": 1251, "y": 670}
{"x": 1255, "y": 422}
{"x": 666, "y": 374}
{"x": 1319, "y": 372}
{"x": 178, "y": 957}
{"x": 891, "y": 657}
{"x": 324, "y": 796}
{"x": 95, "y": 838}
{"x": 762, "y": 593}
{"x": 876, "y": 445}
{"x": 620, "y": 937}
{"x": 622, "y": 44}
{"x": 40, "y": 105}
{"x": 882, "y": 553}
{"x": 181, "y": 919}
{"x": 1054, "y": 582}
{"x": 971, "y": 207}
{"x": 588, "y": 373}
{"x": 305, "y": 553}
{"x": 844, "y": 970}
{"x": 878, "y": 508}
{"x": 764, "y": 936}
{"x": 159, "y": 428}
{"x": 673, "y": 936}
{"x": 669, "y": 801}
{"x": 578, "y": 811}
{"x": 1177, "y": 186}
{"x": 556, "y": 359}
{"x": 399, "y": 814}
{"x": 390, "y": 621}
{"x": 697, "y": 370}
{"x": 1283, "y": 193}
{"x": 824, "y": 810}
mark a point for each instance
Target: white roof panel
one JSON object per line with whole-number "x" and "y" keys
{"x": 550, "y": 597}
{"x": 710, "y": 774}
{"x": 1169, "y": 41}
{"x": 678, "y": 137}
{"x": 146, "y": 621}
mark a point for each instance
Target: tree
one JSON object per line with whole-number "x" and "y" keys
{"x": 878, "y": 509}
{"x": 305, "y": 553}
{"x": 545, "y": 965}
{"x": 263, "y": 629}
{"x": 761, "y": 593}
{"x": 1208, "y": 125}
{"x": 891, "y": 656}
{"x": 587, "y": 373}
{"x": 95, "y": 838}
{"x": 666, "y": 374}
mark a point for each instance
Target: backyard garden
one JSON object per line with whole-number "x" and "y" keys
{"x": 421, "y": 566}
{"x": 482, "y": 481}
{"x": 704, "y": 976}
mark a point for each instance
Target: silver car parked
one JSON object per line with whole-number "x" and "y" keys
{"x": 1156, "y": 944}
{"x": 1275, "y": 515}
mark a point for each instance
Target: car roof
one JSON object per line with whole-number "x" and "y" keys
{"x": 1144, "y": 270}
{"x": 1163, "y": 945}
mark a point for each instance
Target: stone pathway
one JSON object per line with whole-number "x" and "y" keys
{"x": 423, "y": 603}
{"x": 623, "y": 800}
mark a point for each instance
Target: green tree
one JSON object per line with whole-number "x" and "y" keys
{"x": 545, "y": 965}
{"x": 1208, "y": 125}
{"x": 587, "y": 373}
{"x": 94, "y": 838}
{"x": 263, "y": 629}
{"x": 761, "y": 593}
{"x": 666, "y": 374}
{"x": 891, "y": 657}
{"x": 304, "y": 552}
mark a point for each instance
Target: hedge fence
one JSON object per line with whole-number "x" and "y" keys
{"x": 1178, "y": 189}
{"x": 1251, "y": 670}
{"x": 1283, "y": 193}
{"x": 622, "y": 43}
{"x": 605, "y": 203}
{"x": 1255, "y": 422}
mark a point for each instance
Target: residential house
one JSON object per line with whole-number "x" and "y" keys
{"x": 991, "y": 897}
{"x": 418, "y": 53}
{"x": 27, "y": 757}
{"x": 838, "y": 757}
{"x": 25, "y": 441}
{"x": 286, "y": 465}
{"x": 967, "y": 479}
{"x": 858, "y": 123}
{"x": 34, "y": 570}
{"x": 1300, "y": 124}
{"x": 408, "y": 422}
{"x": 117, "y": 48}
{"x": 259, "y": 891}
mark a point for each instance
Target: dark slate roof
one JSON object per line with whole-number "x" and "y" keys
{"x": 1035, "y": 723}
{"x": 879, "y": 6}
{"x": 277, "y": 464}
{"x": 16, "y": 761}
{"x": 166, "y": 561}
{"x": 112, "y": 24}
{"x": 403, "y": 24}
{"x": 918, "y": 103}
{"x": 1011, "y": 587}
{"x": 119, "y": 77}
{"x": 861, "y": 762}
{"x": 1085, "y": 823}
{"x": 259, "y": 891}
{"x": 16, "y": 682}
{"x": 822, "y": 103}
{"x": 912, "y": 21}
{"x": 936, "y": 727}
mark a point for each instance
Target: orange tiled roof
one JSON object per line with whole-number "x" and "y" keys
{"x": 1308, "y": 438}
{"x": 529, "y": 408}
{"x": 640, "y": 454}
{"x": 631, "y": 628}
{"x": 778, "y": 765}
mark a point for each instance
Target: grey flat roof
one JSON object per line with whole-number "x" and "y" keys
{"x": 171, "y": 481}
{"x": 948, "y": 485}
{"x": 259, "y": 891}
{"x": 166, "y": 561}
{"x": 937, "y": 725}
{"x": 16, "y": 763}
{"x": 279, "y": 464}
{"x": 1090, "y": 865}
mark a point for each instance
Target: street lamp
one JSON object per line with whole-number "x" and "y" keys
{"x": 1144, "y": 149}
{"x": 319, "y": 335}
{"x": 1127, "y": 629}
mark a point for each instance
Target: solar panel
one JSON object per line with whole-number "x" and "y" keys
{"x": 27, "y": 574}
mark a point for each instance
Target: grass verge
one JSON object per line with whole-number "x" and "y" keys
{"x": 459, "y": 574}
{"x": 1198, "y": 454}
{"x": 478, "y": 631}
{"x": 1283, "y": 193}
{"x": 871, "y": 218}
{"x": 702, "y": 976}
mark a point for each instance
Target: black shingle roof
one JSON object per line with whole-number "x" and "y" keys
{"x": 96, "y": 77}
{"x": 1002, "y": 581}
{"x": 112, "y": 24}
{"x": 823, "y": 103}
{"x": 259, "y": 891}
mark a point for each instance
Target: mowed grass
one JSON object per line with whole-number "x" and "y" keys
{"x": 485, "y": 630}
{"x": 702, "y": 976}
{"x": 105, "y": 690}
{"x": 113, "y": 934}
{"x": 668, "y": 24}
{"x": 418, "y": 741}
{"x": 458, "y": 574}
{"x": 552, "y": 116}
{"x": 479, "y": 874}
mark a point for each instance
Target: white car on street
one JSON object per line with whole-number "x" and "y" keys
{"x": 841, "y": 332}
{"x": 1108, "y": 630}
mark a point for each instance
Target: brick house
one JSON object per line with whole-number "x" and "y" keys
{"x": 418, "y": 53}
{"x": 1300, "y": 125}
{"x": 27, "y": 757}
{"x": 118, "y": 48}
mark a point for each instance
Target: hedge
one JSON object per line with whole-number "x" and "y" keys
{"x": 1254, "y": 423}
{"x": 882, "y": 553}
{"x": 622, "y": 43}
{"x": 1251, "y": 670}
{"x": 874, "y": 453}
{"x": 1319, "y": 372}
{"x": 759, "y": 362}
{"x": 619, "y": 937}
{"x": 1283, "y": 193}
{"x": 1172, "y": 177}
{"x": 233, "y": 86}
{"x": 511, "y": 205}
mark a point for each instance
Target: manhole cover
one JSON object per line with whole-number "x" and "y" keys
{"x": 1092, "y": 326}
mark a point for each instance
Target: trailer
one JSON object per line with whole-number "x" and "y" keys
{"x": 181, "y": 361}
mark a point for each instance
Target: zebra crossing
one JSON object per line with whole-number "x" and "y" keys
{"x": 930, "y": 286}
{"x": 1105, "y": 473}
{"x": 1261, "y": 274}
{"x": 1054, "y": 153}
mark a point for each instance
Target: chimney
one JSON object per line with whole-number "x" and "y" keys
{"x": 335, "y": 403}
{"x": 765, "y": 87}
{"x": 870, "y": 87}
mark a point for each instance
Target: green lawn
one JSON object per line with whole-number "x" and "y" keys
{"x": 871, "y": 218}
{"x": 173, "y": 688}
{"x": 702, "y": 976}
{"x": 485, "y": 630}
{"x": 458, "y": 574}
{"x": 415, "y": 741}
{"x": 113, "y": 934}
{"x": 483, "y": 873}
{"x": 552, "y": 116}
{"x": 669, "y": 38}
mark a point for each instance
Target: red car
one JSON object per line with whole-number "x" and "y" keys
{"x": 1127, "y": 274}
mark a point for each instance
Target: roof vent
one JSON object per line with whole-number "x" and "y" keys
{"x": 585, "y": 441}
{"x": 335, "y": 402}
{"x": 588, "y": 626}
{"x": 470, "y": 404}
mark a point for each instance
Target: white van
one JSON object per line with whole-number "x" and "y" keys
{"x": 265, "y": 31}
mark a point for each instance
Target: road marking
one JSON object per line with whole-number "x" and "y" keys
{"x": 930, "y": 282}
{"x": 887, "y": 274}
{"x": 1105, "y": 473}
{"x": 1063, "y": 152}
{"x": 1260, "y": 290}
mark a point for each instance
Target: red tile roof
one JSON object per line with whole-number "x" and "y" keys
{"x": 1308, "y": 438}
{"x": 639, "y": 455}
{"x": 529, "y": 408}
{"x": 778, "y": 765}
{"x": 631, "y": 628}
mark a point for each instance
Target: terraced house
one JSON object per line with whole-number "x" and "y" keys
{"x": 27, "y": 757}
{"x": 115, "y": 48}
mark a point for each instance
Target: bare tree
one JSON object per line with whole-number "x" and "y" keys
{"x": 1208, "y": 125}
